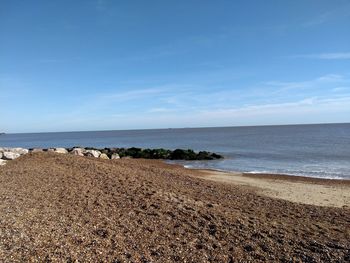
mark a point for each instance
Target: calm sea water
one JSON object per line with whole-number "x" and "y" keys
{"x": 309, "y": 150}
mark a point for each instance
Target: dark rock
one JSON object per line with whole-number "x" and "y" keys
{"x": 158, "y": 153}
{"x": 204, "y": 156}
{"x": 134, "y": 152}
{"x": 216, "y": 156}
{"x": 180, "y": 154}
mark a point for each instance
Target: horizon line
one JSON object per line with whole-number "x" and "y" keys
{"x": 177, "y": 128}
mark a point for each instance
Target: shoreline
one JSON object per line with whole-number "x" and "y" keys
{"x": 299, "y": 178}
{"x": 297, "y": 189}
{"x": 281, "y": 176}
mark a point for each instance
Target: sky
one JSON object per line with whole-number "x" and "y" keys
{"x": 111, "y": 65}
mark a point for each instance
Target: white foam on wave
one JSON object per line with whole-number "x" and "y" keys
{"x": 258, "y": 172}
{"x": 318, "y": 175}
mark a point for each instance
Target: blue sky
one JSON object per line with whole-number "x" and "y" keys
{"x": 100, "y": 65}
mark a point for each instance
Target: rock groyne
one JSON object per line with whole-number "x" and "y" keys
{"x": 7, "y": 154}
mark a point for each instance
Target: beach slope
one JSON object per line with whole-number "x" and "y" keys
{"x": 57, "y": 207}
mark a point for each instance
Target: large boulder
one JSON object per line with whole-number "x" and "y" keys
{"x": 5, "y": 149}
{"x": 180, "y": 154}
{"x": 78, "y": 151}
{"x": 2, "y": 162}
{"x": 20, "y": 151}
{"x": 92, "y": 153}
{"x": 1, "y": 155}
{"x": 106, "y": 151}
{"x": 216, "y": 156}
{"x": 204, "y": 155}
{"x": 10, "y": 155}
{"x": 115, "y": 156}
{"x": 36, "y": 150}
{"x": 104, "y": 156}
{"x": 61, "y": 150}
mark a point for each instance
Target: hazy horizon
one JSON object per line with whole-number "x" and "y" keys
{"x": 197, "y": 127}
{"x": 107, "y": 65}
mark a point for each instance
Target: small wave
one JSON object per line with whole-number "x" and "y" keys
{"x": 321, "y": 173}
{"x": 209, "y": 168}
{"x": 258, "y": 172}
{"x": 317, "y": 174}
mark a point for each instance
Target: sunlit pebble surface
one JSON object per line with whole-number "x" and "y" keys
{"x": 56, "y": 207}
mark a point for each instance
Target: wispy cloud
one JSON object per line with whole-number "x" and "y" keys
{"x": 261, "y": 109}
{"x": 133, "y": 94}
{"x": 156, "y": 53}
{"x": 341, "y": 89}
{"x": 307, "y": 110}
{"x": 320, "y": 99}
{"x": 161, "y": 110}
{"x": 189, "y": 98}
{"x": 124, "y": 96}
{"x": 320, "y": 19}
{"x": 329, "y": 56}
{"x": 56, "y": 60}
{"x": 101, "y": 5}
{"x": 326, "y": 81}
{"x": 339, "y": 12}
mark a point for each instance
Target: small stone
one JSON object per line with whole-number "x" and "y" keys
{"x": 249, "y": 248}
{"x": 2, "y": 162}
{"x": 103, "y": 233}
{"x": 1, "y": 155}
{"x": 212, "y": 229}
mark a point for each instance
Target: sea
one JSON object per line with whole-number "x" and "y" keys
{"x": 319, "y": 150}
